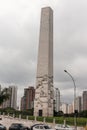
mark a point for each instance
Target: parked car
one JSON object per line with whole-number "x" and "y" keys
{"x": 18, "y": 126}
{"x": 2, "y": 127}
{"x": 63, "y": 127}
{"x": 40, "y": 127}
{"x": 31, "y": 128}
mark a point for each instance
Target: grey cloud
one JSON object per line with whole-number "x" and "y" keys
{"x": 19, "y": 38}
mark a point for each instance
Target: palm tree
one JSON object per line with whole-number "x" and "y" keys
{"x": 4, "y": 95}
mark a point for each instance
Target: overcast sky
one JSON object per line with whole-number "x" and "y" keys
{"x": 19, "y": 39}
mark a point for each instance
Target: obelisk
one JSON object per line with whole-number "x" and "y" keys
{"x": 43, "y": 103}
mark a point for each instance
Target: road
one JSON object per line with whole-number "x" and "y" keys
{"x": 7, "y": 121}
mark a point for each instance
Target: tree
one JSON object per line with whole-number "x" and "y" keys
{"x": 4, "y": 95}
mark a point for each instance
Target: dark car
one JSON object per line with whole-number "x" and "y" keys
{"x": 2, "y": 127}
{"x": 18, "y": 126}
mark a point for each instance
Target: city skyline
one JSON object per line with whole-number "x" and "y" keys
{"x": 19, "y": 38}
{"x": 27, "y": 100}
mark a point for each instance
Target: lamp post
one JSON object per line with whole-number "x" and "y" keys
{"x": 74, "y": 95}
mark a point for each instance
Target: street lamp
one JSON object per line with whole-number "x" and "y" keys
{"x": 74, "y": 94}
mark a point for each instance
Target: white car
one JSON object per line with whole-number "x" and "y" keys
{"x": 63, "y": 127}
{"x": 42, "y": 127}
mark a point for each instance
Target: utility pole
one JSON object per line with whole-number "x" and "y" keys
{"x": 74, "y": 97}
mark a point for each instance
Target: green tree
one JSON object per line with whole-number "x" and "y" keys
{"x": 4, "y": 95}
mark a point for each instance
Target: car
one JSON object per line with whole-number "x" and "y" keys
{"x": 31, "y": 128}
{"x": 2, "y": 127}
{"x": 18, "y": 126}
{"x": 63, "y": 127}
{"x": 41, "y": 127}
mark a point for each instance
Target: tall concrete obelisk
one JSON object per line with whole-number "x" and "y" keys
{"x": 43, "y": 104}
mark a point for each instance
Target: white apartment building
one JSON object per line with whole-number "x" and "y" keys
{"x": 70, "y": 108}
{"x": 13, "y": 90}
{"x": 12, "y": 101}
{"x": 64, "y": 108}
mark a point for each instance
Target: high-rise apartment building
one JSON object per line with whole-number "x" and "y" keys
{"x": 70, "y": 108}
{"x": 12, "y": 101}
{"x": 78, "y": 103}
{"x": 64, "y": 108}
{"x": 57, "y": 99}
{"x": 13, "y": 90}
{"x": 27, "y": 101}
{"x": 22, "y": 104}
{"x": 84, "y": 100}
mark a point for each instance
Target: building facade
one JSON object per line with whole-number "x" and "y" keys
{"x": 84, "y": 100}
{"x": 57, "y": 99}
{"x": 27, "y": 101}
{"x": 22, "y": 107}
{"x": 64, "y": 108}
{"x": 12, "y": 101}
{"x": 78, "y": 103}
{"x": 13, "y": 90}
{"x": 70, "y": 108}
